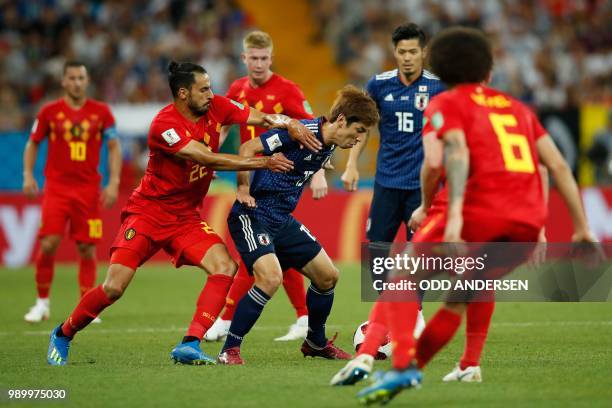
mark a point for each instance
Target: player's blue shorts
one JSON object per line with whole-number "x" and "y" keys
{"x": 292, "y": 243}
{"x": 390, "y": 208}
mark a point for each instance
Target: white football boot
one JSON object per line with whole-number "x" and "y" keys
{"x": 420, "y": 325}
{"x": 97, "y": 320}
{"x": 297, "y": 331}
{"x": 354, "y": 371}
{"x": 39, "y": 312}
{"x": 470, "y": 374}
{"x": 218, "y": 331}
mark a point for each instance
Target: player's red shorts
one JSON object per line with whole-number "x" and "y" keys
{"x": 145, "y": 236}
{"x": 476, "y": 229}
{"x": 76, "y": 205}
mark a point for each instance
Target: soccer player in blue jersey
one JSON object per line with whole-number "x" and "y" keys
{"x": 401, "y": 96}
{"x": 271, "y": 240}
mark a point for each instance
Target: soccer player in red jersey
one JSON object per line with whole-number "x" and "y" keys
{"x": 162, "y": 212}
{"x": 76, "y": 128}
{"x": 491, "y": 145}
{"x": 267, "y": 92}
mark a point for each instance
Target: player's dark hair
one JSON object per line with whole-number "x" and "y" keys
{"x": 461, "y": 55}
{"x": 73, "y": 64}
{"x": 182, "y": 75}
{"x": 408, "y": 31}
{"x": 356, "y": 106}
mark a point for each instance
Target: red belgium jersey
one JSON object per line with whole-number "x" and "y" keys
{"x": 276, "y": 95}
{"x": 173, "y": 188}
{"x": 75, "y": 138}
{"x": 501, "y": 132}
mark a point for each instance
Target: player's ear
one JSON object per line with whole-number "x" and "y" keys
{"x": 243, "y": 57}
{"x": 183, "y": 93}
{"x": 341, "y": 120}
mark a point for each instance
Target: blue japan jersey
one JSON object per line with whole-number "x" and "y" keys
{"x": 401, "y": 108}
{"x": 277, "y": 194}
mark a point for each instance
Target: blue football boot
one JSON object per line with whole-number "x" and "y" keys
{"x": 57, "y": 355}
{"x": 191, "y": 353}
{"x": 389, "y": 385}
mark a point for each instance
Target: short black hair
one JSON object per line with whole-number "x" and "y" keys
{"x": 460, "y": 55}
{"x": 73, "y": 64}
{"x": 181, "y": 75}
{"x": 408, "y": 31}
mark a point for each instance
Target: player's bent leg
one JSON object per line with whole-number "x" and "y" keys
{"x": 220, "y": 267}
{"x": 268, "y": 278}
{"x": 45, "y": 261}
{"x": 438, "y": 332}
{"x": 323, "y": 277}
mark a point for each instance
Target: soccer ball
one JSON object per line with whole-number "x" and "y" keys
{"x": 384, "y": 351}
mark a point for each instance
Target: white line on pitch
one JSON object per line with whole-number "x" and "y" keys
{"x": 280, "y": 328}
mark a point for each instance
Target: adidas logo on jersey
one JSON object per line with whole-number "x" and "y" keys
{"x": 389, "y": 98}
{"x": 308, "y": 158}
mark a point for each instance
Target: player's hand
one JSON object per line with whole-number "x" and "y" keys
{"x": 328, "y": 165}
{"x": 244, "y": 197}
{"x": 350, "y": 179}
{"x": 584, "y": 236}
{"x": 30, "y": 187}
{"x": 538, "y": 257}
{"x": 417, "y": 218}
{"x": 301, "y": 134}
{"x": 318, "y": 185}
{"x": 109, "y": 195}
{"x": 279, "y": 163}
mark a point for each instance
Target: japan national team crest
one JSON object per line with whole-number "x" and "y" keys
{"x": 421, "y": 100}
{"x": 264, "y": 239}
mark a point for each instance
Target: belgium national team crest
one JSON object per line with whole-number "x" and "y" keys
{"x": 130, "y": 233}
{"x": 421, "y": 100}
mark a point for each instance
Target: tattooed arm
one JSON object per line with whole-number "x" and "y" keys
{"x": 456, "y": 165}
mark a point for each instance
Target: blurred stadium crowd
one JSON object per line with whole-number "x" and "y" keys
{"x": 553, "y": 54}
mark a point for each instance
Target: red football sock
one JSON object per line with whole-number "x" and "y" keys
{"x": 477, "y": 327}
{"x": 293, "y": 282}
{"x": 87, "y": 274}
{"x": 242, "y": 283}
{"x": 90, "y": 306}
{"x": 44, "y": 274}
{"x": 376, "y": 331}
{"x": 210, "y": 303}
{"x": 401, "y": 318}
{"x": 438, "y": 332}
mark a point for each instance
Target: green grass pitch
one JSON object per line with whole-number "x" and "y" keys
{"x": 537, "y": 354}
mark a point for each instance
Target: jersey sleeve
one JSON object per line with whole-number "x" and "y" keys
{"x": 296, "y": 105}
{"x": 109, "y": 129}
{"x": 536, "y": 126}
{"x": 167, "y": 137}
{"x": 40, "y": 128}
{"x": 275, "y": 140}
{"x": 229, "y": 112}
{"x": 444, "y": 115}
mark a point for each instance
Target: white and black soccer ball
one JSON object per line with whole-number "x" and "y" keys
{"x": 384, "y": 351}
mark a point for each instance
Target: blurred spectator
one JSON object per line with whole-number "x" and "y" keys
{"x": 126, "y": 44}
{"x": 600, "y": 153}
{"x": 552, "y": 53}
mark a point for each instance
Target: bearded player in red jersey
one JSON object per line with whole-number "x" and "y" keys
{"x": 162, "y": 213}
{"x": 491, "y": 144}
{"x": 76, "y": 128}
{"x": 267, "y": 92}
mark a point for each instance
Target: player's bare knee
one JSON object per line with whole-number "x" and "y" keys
{"x": 329, "y": 279}
{"x": 86, "y": 251}
{"x": 225, "y": 267}
{"x": 49, "y": 244}
{"x": 113, "y": 290}
{"x": 269, "y": 282}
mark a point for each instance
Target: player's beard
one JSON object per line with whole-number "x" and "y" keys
{"x": 198, "y": 110}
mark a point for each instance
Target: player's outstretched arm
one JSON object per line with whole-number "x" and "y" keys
{"x": 564, "y": 179}
{"x": 30, "y": 187}
{"x": 431, "y": 172}
{"x": 297, "y": 130}
{"x": 456, "y": 165}
{"x": 111, "y": 191}
{"x": 198, "y": 153}
{"x": 350, "y": 177}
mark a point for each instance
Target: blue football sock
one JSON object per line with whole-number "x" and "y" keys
{"x": 319, "y": 303}
{"x": 247, "y": 312}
